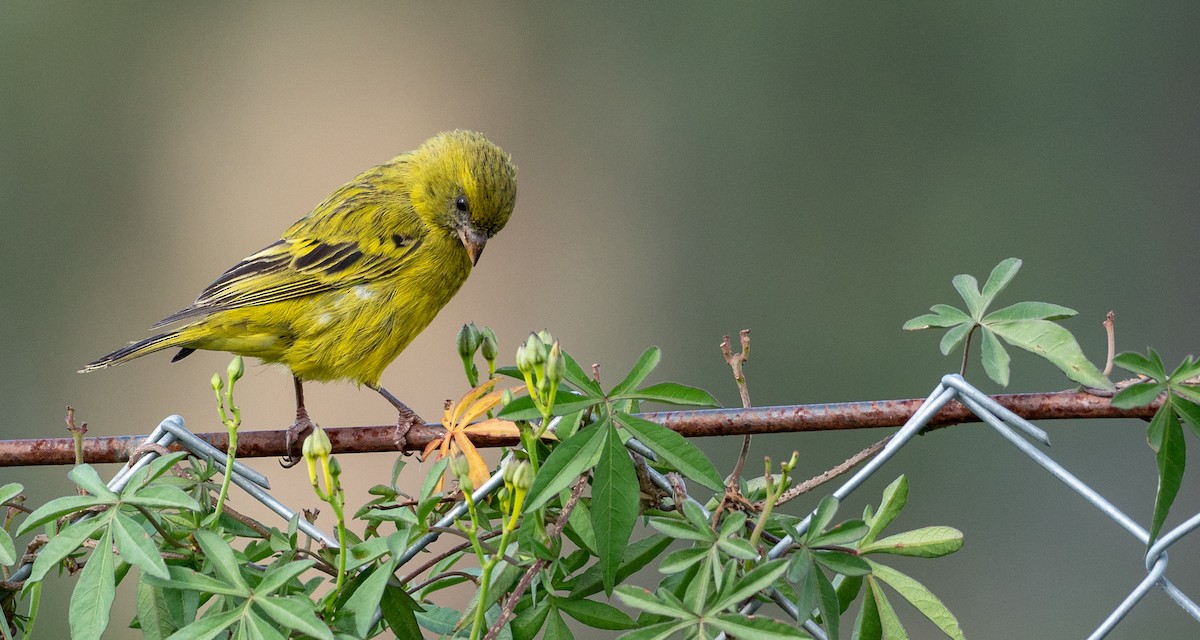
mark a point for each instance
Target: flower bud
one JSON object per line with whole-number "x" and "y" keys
{"x": 556, "y": 364}
{"x": 235, "y": 370}
{"x": 545, "y": 337}
{"x": 320, "y": 447}
{"x": 335, "y": 467}
{"x": 462, "y": 471}
{"x": 522, "y": 476}
{"x": 536, "y": 350}
{"x": 523, "y": 363}
{"x": 217, "y": 385}
{"x": 508, "y": 468}
{"x": 489, "y": 344}
{"x": 468, "y": 340}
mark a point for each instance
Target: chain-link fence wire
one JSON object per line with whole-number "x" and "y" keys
{"x": 1009, "y": 425}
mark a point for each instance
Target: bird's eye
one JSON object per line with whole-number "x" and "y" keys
{"x": 461, "y": 203}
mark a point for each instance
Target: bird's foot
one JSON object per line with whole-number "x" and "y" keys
{"x": 404, "y": 423}
{"x": 295, "y": 433}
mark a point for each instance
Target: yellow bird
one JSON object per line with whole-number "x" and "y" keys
{"x": 350, "y": 285}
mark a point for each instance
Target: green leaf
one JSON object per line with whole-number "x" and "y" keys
{"x": 1138, "y": 394}
{"x": 1186, "y": 370}
{"x": 895, "y": 496}
{"x": 579, "y": 526}
{"x": 802, "y": 570}
{"x": 823, "y": 515}
{"x": 565, "y": 402}
{"x": 920, "y": 597}
{"x": 62, "y": 545}
{"x": 93, "y": 596}
{"x": 671, "y": 393}
{"x": 55, "y": 509}
{"x": 163, "y": 496}
{"x": 295, "y": 614}
{"x": 153, "y": 614}
{"x": 968, "y": 288}
{"x": 10, "y": 491}
{"x": 279, "y": 574}
{"x": 847, "y": 591}
{"x": 842, "y": 533}
{"x": 644, "y": 366}
{"x": 189, "y": 580}
{"x": 927, "y": 542}
{"x": 556, "y": 627}
{"x": 527, "y": 623}
{"x": 594, "y": 614}
{"x": 210, "y": 625}
{"x": 1030, "y": 311}
{"x": 681, "y": 559}
{"x": 255, "y": 626}
{"x": 759, "y": 628}
{"x": 580, "y": 379}
{"x": 846, "y": 564}
{"x": 1056, "y": 344}
{"x": 739, "y": 548}
{"x": 639, "y": 598}
{"x": 1151, "y": 367}
{"x": 755, "y": 580}
{"x": 943, "y": 316}
{"x": 1189, "y": 412}
{"x": 8, "y": 551}
{"x": 954, "y": 338}
{"x": 571, "y": 458}
{"x": 889, "y": 622}
{"x": 995, "y": 358}
{"x": 1172, "y": 458}
{"x": 637, "y": 555}
{"x": 827, "y": 604}
{"x": 86, "y": 477}
{"x": 1001, "y": 275}
{"x": 657, "y": 631}
{"x": 674, "y": 450}
{"x": 399, "y": 610}
{"x": 136, "y": 546}
{"x": 220, "y": 555}
{"x": 615, "y": 493}
{"x": 868, "y": 625}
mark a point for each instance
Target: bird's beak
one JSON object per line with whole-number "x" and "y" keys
{"x": 474, "y": 241}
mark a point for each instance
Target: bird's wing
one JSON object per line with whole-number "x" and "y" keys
{"x": 300, "y": 266}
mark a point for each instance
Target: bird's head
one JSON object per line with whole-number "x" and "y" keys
{"x": 464, "y": 185}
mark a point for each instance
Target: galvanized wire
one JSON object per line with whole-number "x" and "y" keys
{"x": 1008, "y": 424}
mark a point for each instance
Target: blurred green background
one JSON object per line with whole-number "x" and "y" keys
{"x": 814, "y": 172}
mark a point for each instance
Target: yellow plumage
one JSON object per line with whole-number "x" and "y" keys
{"x": 350, "y": 285}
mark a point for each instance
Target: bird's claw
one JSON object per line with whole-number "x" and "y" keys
{"x": 295, "y": 433}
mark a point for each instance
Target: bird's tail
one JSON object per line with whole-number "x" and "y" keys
{"x": 141, "y": 348}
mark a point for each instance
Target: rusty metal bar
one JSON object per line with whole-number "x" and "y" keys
{"x": 690, "y": 423}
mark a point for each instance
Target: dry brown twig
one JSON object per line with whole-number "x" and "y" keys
{"x": 736, "y": 362}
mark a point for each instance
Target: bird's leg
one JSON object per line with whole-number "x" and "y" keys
{"x": 407, "y": 418}
{"x": 302, "y": 425}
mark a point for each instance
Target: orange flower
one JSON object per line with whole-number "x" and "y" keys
{"x": 457, "y": 421}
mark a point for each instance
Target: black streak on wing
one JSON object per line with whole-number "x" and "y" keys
{"x": 330, "y": 258}
{"x": 326, "y": 258}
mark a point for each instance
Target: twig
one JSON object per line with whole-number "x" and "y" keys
{"x": 735, "y": 362}
{"x": 1109, "y": 328}
{"x": 826, "y": 476}
{"x": 962, "y": 370}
